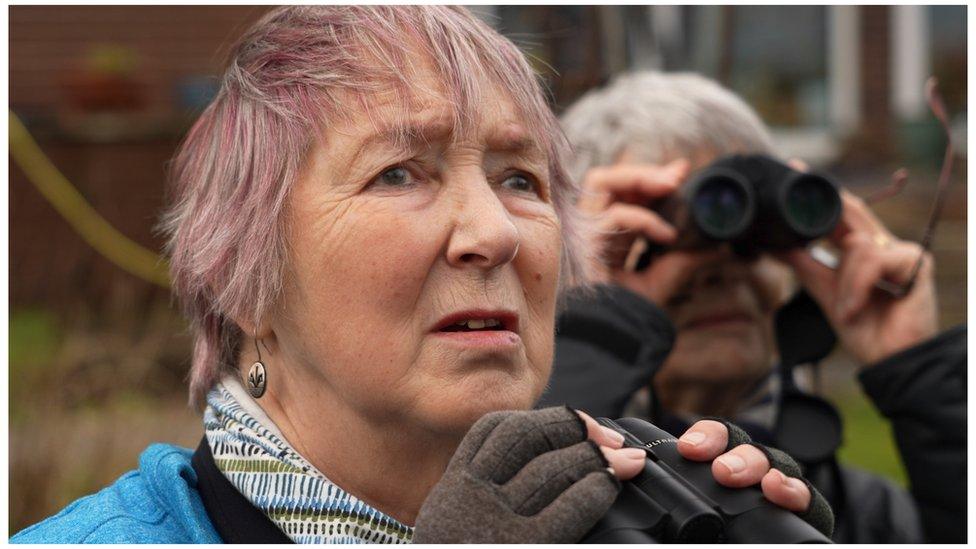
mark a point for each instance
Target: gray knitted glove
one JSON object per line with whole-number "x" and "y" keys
{"x": 520, "y": 477}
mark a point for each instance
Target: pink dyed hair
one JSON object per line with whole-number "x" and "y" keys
{"x": 287, "y": 78}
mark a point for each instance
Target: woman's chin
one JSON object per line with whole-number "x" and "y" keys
{"x": 462, "y": 403}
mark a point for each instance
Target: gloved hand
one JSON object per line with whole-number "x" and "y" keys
{"x": 520, "y": 477}
{"x": 738, "y": 462}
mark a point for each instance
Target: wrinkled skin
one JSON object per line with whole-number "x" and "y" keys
{"x": 386, "y": 239}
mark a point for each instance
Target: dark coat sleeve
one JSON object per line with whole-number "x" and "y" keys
{"x": 609, "y": 342}
{"x": 922, "y": 390}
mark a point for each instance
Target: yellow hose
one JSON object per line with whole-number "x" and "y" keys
{"x": 90, "y": 226}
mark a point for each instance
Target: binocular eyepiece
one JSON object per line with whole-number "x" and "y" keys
{"x": 753, "y": 202}
{"x": 678, "y": 500}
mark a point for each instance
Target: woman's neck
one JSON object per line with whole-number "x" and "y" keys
{"x": 386, "y": 464}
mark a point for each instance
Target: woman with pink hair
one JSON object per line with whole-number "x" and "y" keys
{"x": 370, "y": 229}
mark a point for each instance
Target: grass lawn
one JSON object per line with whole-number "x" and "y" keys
{"x": 868, "y": 440}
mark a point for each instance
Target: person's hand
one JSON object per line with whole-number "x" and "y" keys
{"x": 871, "y": 325}
{"x": 738, "y": 463}
{"x": 540, "y": 476}
{"x": 742, "y": 466}
{"x": 617, "y": 197}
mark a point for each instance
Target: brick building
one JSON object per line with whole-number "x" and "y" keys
{"x": 108, "y": 91}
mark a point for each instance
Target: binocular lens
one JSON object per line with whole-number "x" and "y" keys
{"x": 722, "y": 207}
{"x": 812, "y": 205}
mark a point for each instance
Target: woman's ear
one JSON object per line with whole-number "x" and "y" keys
{"x": 257, "y": 329}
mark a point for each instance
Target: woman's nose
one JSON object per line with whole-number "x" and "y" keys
{"x": 484, "y": 235}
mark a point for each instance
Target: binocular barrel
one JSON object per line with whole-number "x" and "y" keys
{"x": 717, "y": 205}
{"x": 753, "y": 202}
{"x": 678, "y": 500}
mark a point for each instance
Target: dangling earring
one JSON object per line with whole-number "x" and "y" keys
{"x": 257, "y": 377}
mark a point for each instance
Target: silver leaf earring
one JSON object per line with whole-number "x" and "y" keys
{"x": 257, "y": 377}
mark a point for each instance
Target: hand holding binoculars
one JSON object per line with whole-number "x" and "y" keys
{"x": 678, "y": 500}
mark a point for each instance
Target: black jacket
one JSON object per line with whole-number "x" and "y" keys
{"x": 611, "y": 341}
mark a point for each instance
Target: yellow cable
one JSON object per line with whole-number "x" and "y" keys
{"x": 92, "y": 227}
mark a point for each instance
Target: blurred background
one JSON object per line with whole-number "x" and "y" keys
{"x": 98, "y": 356}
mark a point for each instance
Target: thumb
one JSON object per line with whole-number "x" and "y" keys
{"x": 798, "y": 165}
{"x": 819, "y": 280}
{"x": 679, "y": 167}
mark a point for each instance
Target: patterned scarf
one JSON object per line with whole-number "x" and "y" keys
{"x": 251, "y": 452}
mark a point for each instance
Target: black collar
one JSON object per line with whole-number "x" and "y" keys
{"x": 233, "y": 516}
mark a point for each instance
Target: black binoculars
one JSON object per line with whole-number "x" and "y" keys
{"x": 676, "y": 500}
{"x": 753, "y": 202}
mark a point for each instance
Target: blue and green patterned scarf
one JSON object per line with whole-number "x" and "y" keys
{"x": 309, "y": 508}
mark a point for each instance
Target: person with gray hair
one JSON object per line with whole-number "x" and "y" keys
{"x": 692, "y": 335}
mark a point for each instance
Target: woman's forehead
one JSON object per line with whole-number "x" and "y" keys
{"x": 376, "y": 128}
{"x": 428, "y": 115}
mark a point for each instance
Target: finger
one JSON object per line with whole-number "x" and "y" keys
{"x": 626, "y": 463}
{"x": 668, "y": 274}
{"x": 894, "y": 264}
{"x": 638, "y": 219}
{"x": 603, "y": 436}
{"x": 614, "y": 247}
{"x": 856, "y": 217}
{"x": 523, "y": 435}
{"x": 900, "y": 258}
{"x": 703, "y": 441}
{"x": 864, "y": 264}
{"x": 549, "y": 474}
{"x": 798, "y": 165}
{"x": 817, "y": 278}
{"x": 681, "y": 264}
{"x": 574, "y": 512}
{"x": 860, "y": 267}
{"x": 637, "y": 182}
{"x": 620, "y": 226}
{"x": 592, "y": 203}
{"x": 741, "y": 466}
{"x": 787, "y": 492}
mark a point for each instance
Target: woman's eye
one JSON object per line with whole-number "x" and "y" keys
{"x": 394, "y": 177}
{"x": 519, "y": 182}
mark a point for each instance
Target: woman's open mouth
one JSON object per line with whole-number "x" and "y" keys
{"x": 474, "y": 325}
{"x": 480, "y": 328}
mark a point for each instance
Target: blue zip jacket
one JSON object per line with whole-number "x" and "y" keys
{"x": 158, "y": 503}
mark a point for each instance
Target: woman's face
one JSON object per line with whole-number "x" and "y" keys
{"x": 422, "y": 276}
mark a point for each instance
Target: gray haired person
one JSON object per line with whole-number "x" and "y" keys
{"x": 703, "y": 320}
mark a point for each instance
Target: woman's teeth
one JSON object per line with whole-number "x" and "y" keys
{"x": 479, "y": 324}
